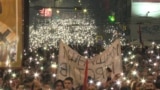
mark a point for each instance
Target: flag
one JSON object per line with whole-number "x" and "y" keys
{"x": 85, "y": 76}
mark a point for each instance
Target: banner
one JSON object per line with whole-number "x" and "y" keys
{"x": 72, "y": 64}
{"x": 149, "y": 32}
{"x": 10, "y": 33}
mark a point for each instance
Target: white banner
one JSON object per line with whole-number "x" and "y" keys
{"x": 149, "y": 32}
{"x": 72, "y": 64}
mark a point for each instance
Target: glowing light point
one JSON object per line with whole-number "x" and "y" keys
{"x": 98, "y": 83}
{"x": 84, "y": 10}
{"x": 91, "y": 81}
{"x": 54, "y": 75}
{"x": 134, "y": 72}
{"x": 36, "y": 74}
{"x": 54, "y": 65}
{"x": 143, "y": 80}
{"x": 13, "y": 75}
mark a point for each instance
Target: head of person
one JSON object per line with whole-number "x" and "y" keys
{"x": 58, "y": 85}
{"x": 68, "y": 83}
{"x": 91, "y": 86}
{"x": 137, "y": 86}
{"x": 157, "y": 83}
{"x": 37, "y": 85}
{"x": 28, "y": 82}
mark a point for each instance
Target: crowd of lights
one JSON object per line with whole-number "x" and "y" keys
{"x": 83, "y": 31}
{"x": 74, "y": 29}
{"x": 135, "y": 65}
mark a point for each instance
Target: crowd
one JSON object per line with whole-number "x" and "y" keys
{"x": 111, "y": 83}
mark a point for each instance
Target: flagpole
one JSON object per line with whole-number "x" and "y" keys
{"x": 85, "y": 76}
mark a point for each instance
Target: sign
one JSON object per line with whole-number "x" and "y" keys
{"x": 10, "y": 33}
{"x": 72, "y": 64}
{"x": 149, "y": 32}
{"x": 46, "y": 12}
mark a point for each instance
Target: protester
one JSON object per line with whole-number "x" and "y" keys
{"x": 46, "y": 86}
{"x": 68, "y": 83}
{"x": 157, "y": 84}
{"x": 91, "y": 86}
{"x": 107, "y": 84}
{"x": 58, "y": 85}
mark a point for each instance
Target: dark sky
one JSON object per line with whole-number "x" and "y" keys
{"x": 57, "y": 3}
{"x": 146, "y": 0}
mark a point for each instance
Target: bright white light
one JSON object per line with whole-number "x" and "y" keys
{"x": 131, "y": 62}
{"x": 146, "y": 9}
{"x": 7, "y": 62}
{"x": 125, "y": 59}
{"x": 54, "y": 75}
{"x": 153, "y": 43}
{"x": 150, "y": 60}
{"x": 158, "y": 57}
{"x": 134, "y": 72}
{"x": 57, "y": 11}
{"x": 42, "y": 68}
{"x": 98, "y": 83}
{"x": 118, "y": 82}
{"x": 36, "y": 74}
{"x": 26, "y": 71}
{"x": 143, "y": 80}
{"x": 112, "y": 88}
{"x": 70, "y": 30}
{"x": 37, "y": 62}
{"x": 133, "y": 56}
{"x": 78, "y": 28}
{"x": 13, "y": 75}
{"x": 85, "y": 57}
{"x": 149, "y": 69}
{"x": 124, "y": 78}
{"x": 128, "y": 81}
{"x": 129, "y": 52}
{"x": 53, "y": 56}
{"x": 155, "y": 64}
{"x": 152, "y": 51}
{"x": 122, "y": 74}
{"x": 84, "y": 10}
{"x": 136, "y": 64}
{"x": 86, "y": 52}
{"x": 54, "y": 65}
{"x": 9, "y": 70}
{"x": 91, "y": 81}
{"x": 10, "y": 81}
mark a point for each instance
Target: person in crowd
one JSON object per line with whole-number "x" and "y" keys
{"x": 157, "y": 83}
{"x": 149, "y": 85}
{"x": 58, "y": 85}
{"x": 106, "y": 85}
{"x": 91, "y": 86}
{"x": 37, "y": 85}
{"x": 30, "y": 83}
{"x": 114, "y": 84}
{"x": 109, "y": 71}
{"x": 20, "y": 87}
{"x": 68, "y": 83}
{"x": 81, "y": 87}
{"x": 1, "y": 82}
{"x": 137, "y": 85}
{"x": 46, "y": 86}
